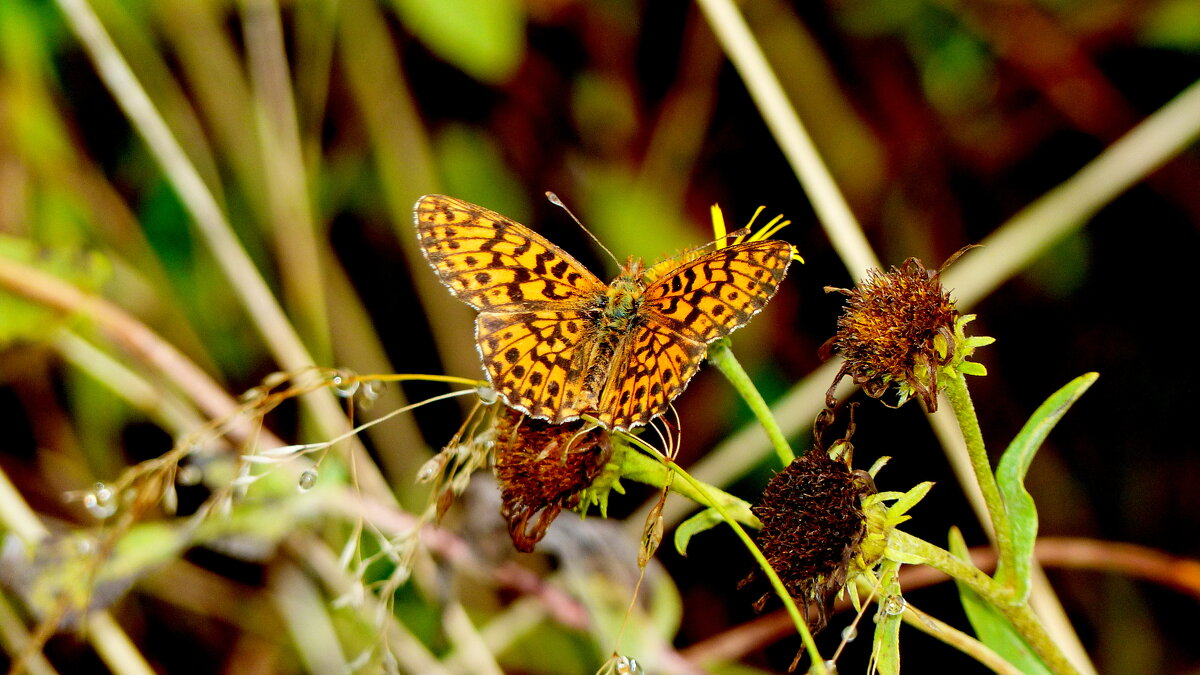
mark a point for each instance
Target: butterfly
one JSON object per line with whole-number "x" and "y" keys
{"x": 557, "y": 342}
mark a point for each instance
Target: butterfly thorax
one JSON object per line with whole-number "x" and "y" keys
{"x": 619, "y": 313}
{"x": 622, "y": 299}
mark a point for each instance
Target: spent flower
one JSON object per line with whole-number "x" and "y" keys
{"x": 813, "y": 523}
{"x": 543, "y": 468}
{"x": 899, "y": 329}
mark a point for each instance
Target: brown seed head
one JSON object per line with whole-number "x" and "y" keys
{"x": 812, "y": 524}
{"x": 541, "y": 469}
{"x": 897, "y": 328}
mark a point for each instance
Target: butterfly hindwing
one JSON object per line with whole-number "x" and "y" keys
{"x": 535, "y": 358}
{"x": 654, "y": 366}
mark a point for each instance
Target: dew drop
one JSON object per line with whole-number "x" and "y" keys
{"x": 274, "y": 379}
{"x": 368, "y": 394}
{"x": 99, "y": 502}
{"x": 307, "y": 480}
{"x": 894, "y": 605}
{"x": 253, "y": 395}
{"x": 849, "y": 633}
{"x": 625, "y": 665}
{"x": 103, "y": 494}
{"x": 431, "y": 468}
{"x": 371, "y": 389}
{"x": 344, "y": 384}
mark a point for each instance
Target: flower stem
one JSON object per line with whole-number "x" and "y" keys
{"x": 721, "y": 356}
{"x": 955, "y": 386}
{"x": 714, "y": 501}
{"x": 959, "y": 640}
{"x": 1020, "y": 615}
{"x": 640, "y": 467}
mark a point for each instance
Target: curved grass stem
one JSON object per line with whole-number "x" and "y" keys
{"x": 959, "y": 640}
{"x": 714, "y": 501}
{"x": 246, "y": 282}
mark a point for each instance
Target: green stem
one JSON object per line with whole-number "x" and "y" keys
{"x": 651, "y": 471}
{"x": 1019, "y": 615}
{"x": 964, "y": 643}
{"x": 714, "y": 501}
{"x": 721, "y": 356}
{"x": 955, "y": 386}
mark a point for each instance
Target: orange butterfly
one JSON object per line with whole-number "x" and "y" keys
{"x": 557, "y": 342}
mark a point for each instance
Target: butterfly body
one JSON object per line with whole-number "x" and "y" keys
{"x": 556, "y": 342}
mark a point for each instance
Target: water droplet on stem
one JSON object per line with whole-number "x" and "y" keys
{"x": 345, "y": 384}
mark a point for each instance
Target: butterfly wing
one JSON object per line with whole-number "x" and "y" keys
{"x": 697, "y": 302}
{"x": 710, "y": 297}
{"x": 536, "y": 303}
{"x": 653, "y": 367}
{"x": 491, "y": 262}
{"x": 536, "y": 360}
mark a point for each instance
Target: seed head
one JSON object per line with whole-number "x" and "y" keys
{"x": 813, "y": 523}
{"x": 900, "y": 328}
{"x": 542, "y": 468}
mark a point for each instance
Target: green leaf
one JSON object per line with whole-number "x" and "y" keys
{"x": 910, "y": 499}
{"x": 484, "y": 38}
{"x": 972, "y": 368}
{"x": 990, "y": 626}
{"x": 1010, "y": 475}
{"x": 705, "y": 520}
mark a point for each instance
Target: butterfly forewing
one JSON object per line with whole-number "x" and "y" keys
{"x": 695, "y": 303}
{"x": 490, "y": 261}
{"x": 714, "y": 295}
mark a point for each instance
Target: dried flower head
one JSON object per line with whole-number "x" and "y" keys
{"x": 901, "y": 328}
{"x": 542, "y": 468}
{"x": 813, "y": 522}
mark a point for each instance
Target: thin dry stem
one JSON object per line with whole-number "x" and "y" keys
{"x": 132, "y": 335}
{"x": 834, "y": 213}
{"x": 249, "y": 286}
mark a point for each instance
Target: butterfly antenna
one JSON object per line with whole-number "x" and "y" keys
{"x": 678, "y": 432}
{"x": 558, "y": 202}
